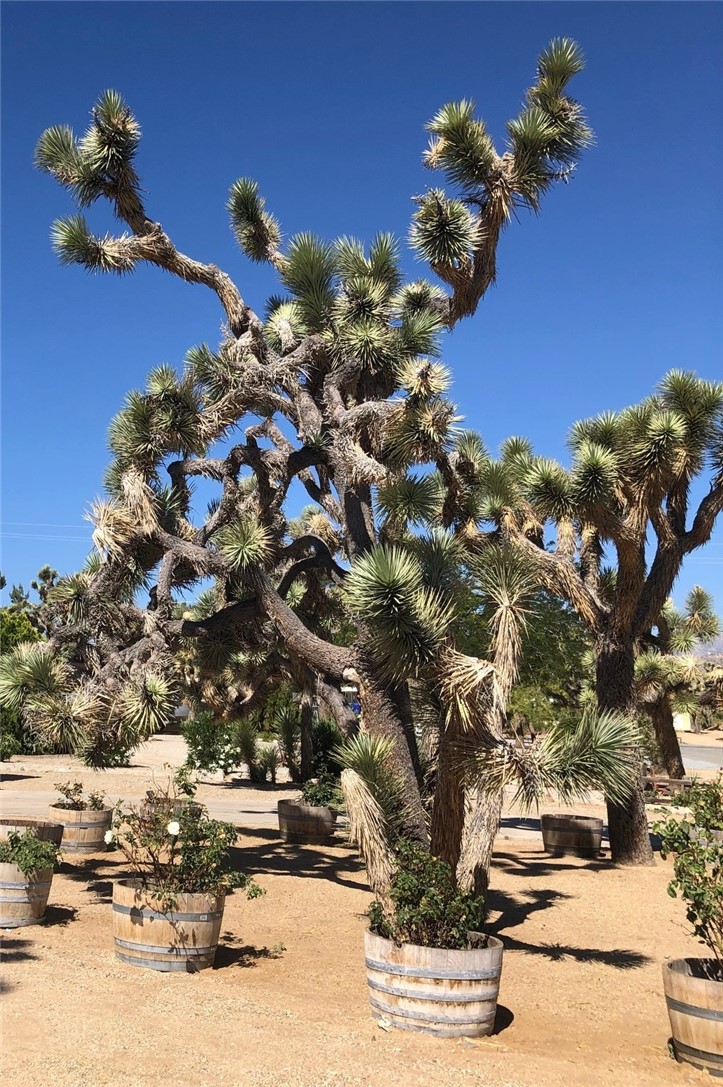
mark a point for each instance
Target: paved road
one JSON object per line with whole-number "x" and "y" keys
{"x": 702, "y": 757}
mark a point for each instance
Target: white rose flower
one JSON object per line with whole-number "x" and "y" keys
{"x": 173, "y": 828}
{"x": 109, "y": 837}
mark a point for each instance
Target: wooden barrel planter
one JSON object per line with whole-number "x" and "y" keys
{"x": 23, "y": 899}
{"x": 83, "y": 831}
{"x": 695, "y": 1010}
{"x": 305, "y": 824}
{"x": 182, "y": 939}
{"x": 432, "y": 990}
{"x": 44, "y": 830}
{"x": 579, "y": 835}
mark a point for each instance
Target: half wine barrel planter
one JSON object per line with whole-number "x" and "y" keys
{"x": 182, "y": 939}
{"x": 305, "y": 824}
{"x": 23, "y": 898}
{"x": 580, "y": 835}
{"x": 695, "y": 1010}
{"x": 44, "y": 830}
{"x": 449, "y": 993}
{"x": 83, "y": 831}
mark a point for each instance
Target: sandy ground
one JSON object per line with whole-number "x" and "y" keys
{"x": 581, "y": 997}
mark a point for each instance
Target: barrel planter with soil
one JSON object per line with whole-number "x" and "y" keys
{"x": 305, "y": 824}
{"x": 83, "y": 831}
{"x": 23, "y": 898}
{"x": 694, "y": 995}
{"x": 44, "y": 830}
{"x": 433, "y": 990}
{"x": 183, "y": 938}
{"x": 578, "y": 835}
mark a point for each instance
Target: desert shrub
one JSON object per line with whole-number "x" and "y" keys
{"x": 268, "y": 762}
{"x": 695, "y": 841}
{"x": 322, "y": 792}
{"x": 73, "y": 797}
{"x": 28, "y": 852}
{"x": 288, "y": 731}
{"x": 426, "y": 908}
{"x": 212, "y": 743}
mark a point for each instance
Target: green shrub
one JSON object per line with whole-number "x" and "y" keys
{"x": 74, "y": 800}
{"x": 247, "y": 741}
{"x": 269, "y": 762}
{"x": 172, "y": 847}
{"x": 696, "y": 843}
{"x": 322, "y": 793}
{"x": 427, "y": 908}
{"x": 28, "y": 852}
{"x": 212, "y": 744}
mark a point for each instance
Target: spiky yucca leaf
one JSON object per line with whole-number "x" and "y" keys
{"x": 594, "y": 476}
{"x": 244, "y": 543}
{"x": 422, "y": 378}
{"x": 548, "y": 488}
{"x": 461, "y": 146}
{"x": 308, "y": 272}
{"x": 371, "y": 758}
{"x": 285, "y": 327}
{"x": 443, "y": 232}
{"x": 418, "y": 297}
{"x": 256, "y": 231}
{"x": 368, "y": 829}
{"x": 56, "y": 153}
{"x": 30, "y": 670}
{"x": 146, "y": 706}
{"x": 597, "y": 754}
{"x": 72, "y": 593}
{"x": 440, "y": 556}
{"x": 63, "y": 722}
{"x": 113, "y": 526}
{"x": 407, "y": 621}
{"x": 413, "y": 499}
{"x": 73, "y": 242}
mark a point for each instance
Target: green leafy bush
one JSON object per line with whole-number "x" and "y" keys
{"x": 186, "y": 853}
{"x": 324, "y": 792}
{"x": 269, "y": 762}
{"x": 10, "y": 734}
{"x": 212, "y": 744}
{"x": 696, "y": 844}
{"x": 426, "y": 908}
{"x": 73, "y": 798}
{"x": 326, "y": 737}
{"x": 28, "y": 852}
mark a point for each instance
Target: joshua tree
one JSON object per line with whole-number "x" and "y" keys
{"x": 666, "y": 673}
{"x": 339, "y": 375}
{"x": 346, "y": 394}
{"x": 630, "y": 481}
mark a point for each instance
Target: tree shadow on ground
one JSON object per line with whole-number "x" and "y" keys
{"x": 230, "y": 953}
{"x": 277, "y": 857}
{"x": 16, "y": 949}
{"x": 542, "y": 864}
{"x": 18, "y": 777}
{"x": 93, "y": 873}
{"x": 59, "y": 915}
{"x": 513, "y": 911}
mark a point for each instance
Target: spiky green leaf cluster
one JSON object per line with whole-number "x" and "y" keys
{"x": 256, "y": 231}
{"x": 407, "y": 620}
{"x": 444, "y": 232}
{"x": 244, "y": 543}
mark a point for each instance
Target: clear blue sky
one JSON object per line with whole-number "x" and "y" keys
{"x": 617, "y": 281}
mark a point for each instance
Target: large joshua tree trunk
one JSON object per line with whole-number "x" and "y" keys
{"x": 448, "y": 812}
{"x": 661, "y": 714}
{"x": 480, "y": 830}
{"x": 627, "y": 823}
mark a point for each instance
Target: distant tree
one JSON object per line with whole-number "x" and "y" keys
{"x": 666, "y": 673}
{"x": 15, "y": 627}
{"x": 630, "y": 482}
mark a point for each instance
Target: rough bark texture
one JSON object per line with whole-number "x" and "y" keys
{"x": 448, "y": 811}
{"x": 480, "y": 830}
{"x": 627, "y": 823}
{"x": 661, "y": 714}
{"x": 307, "y": 740}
